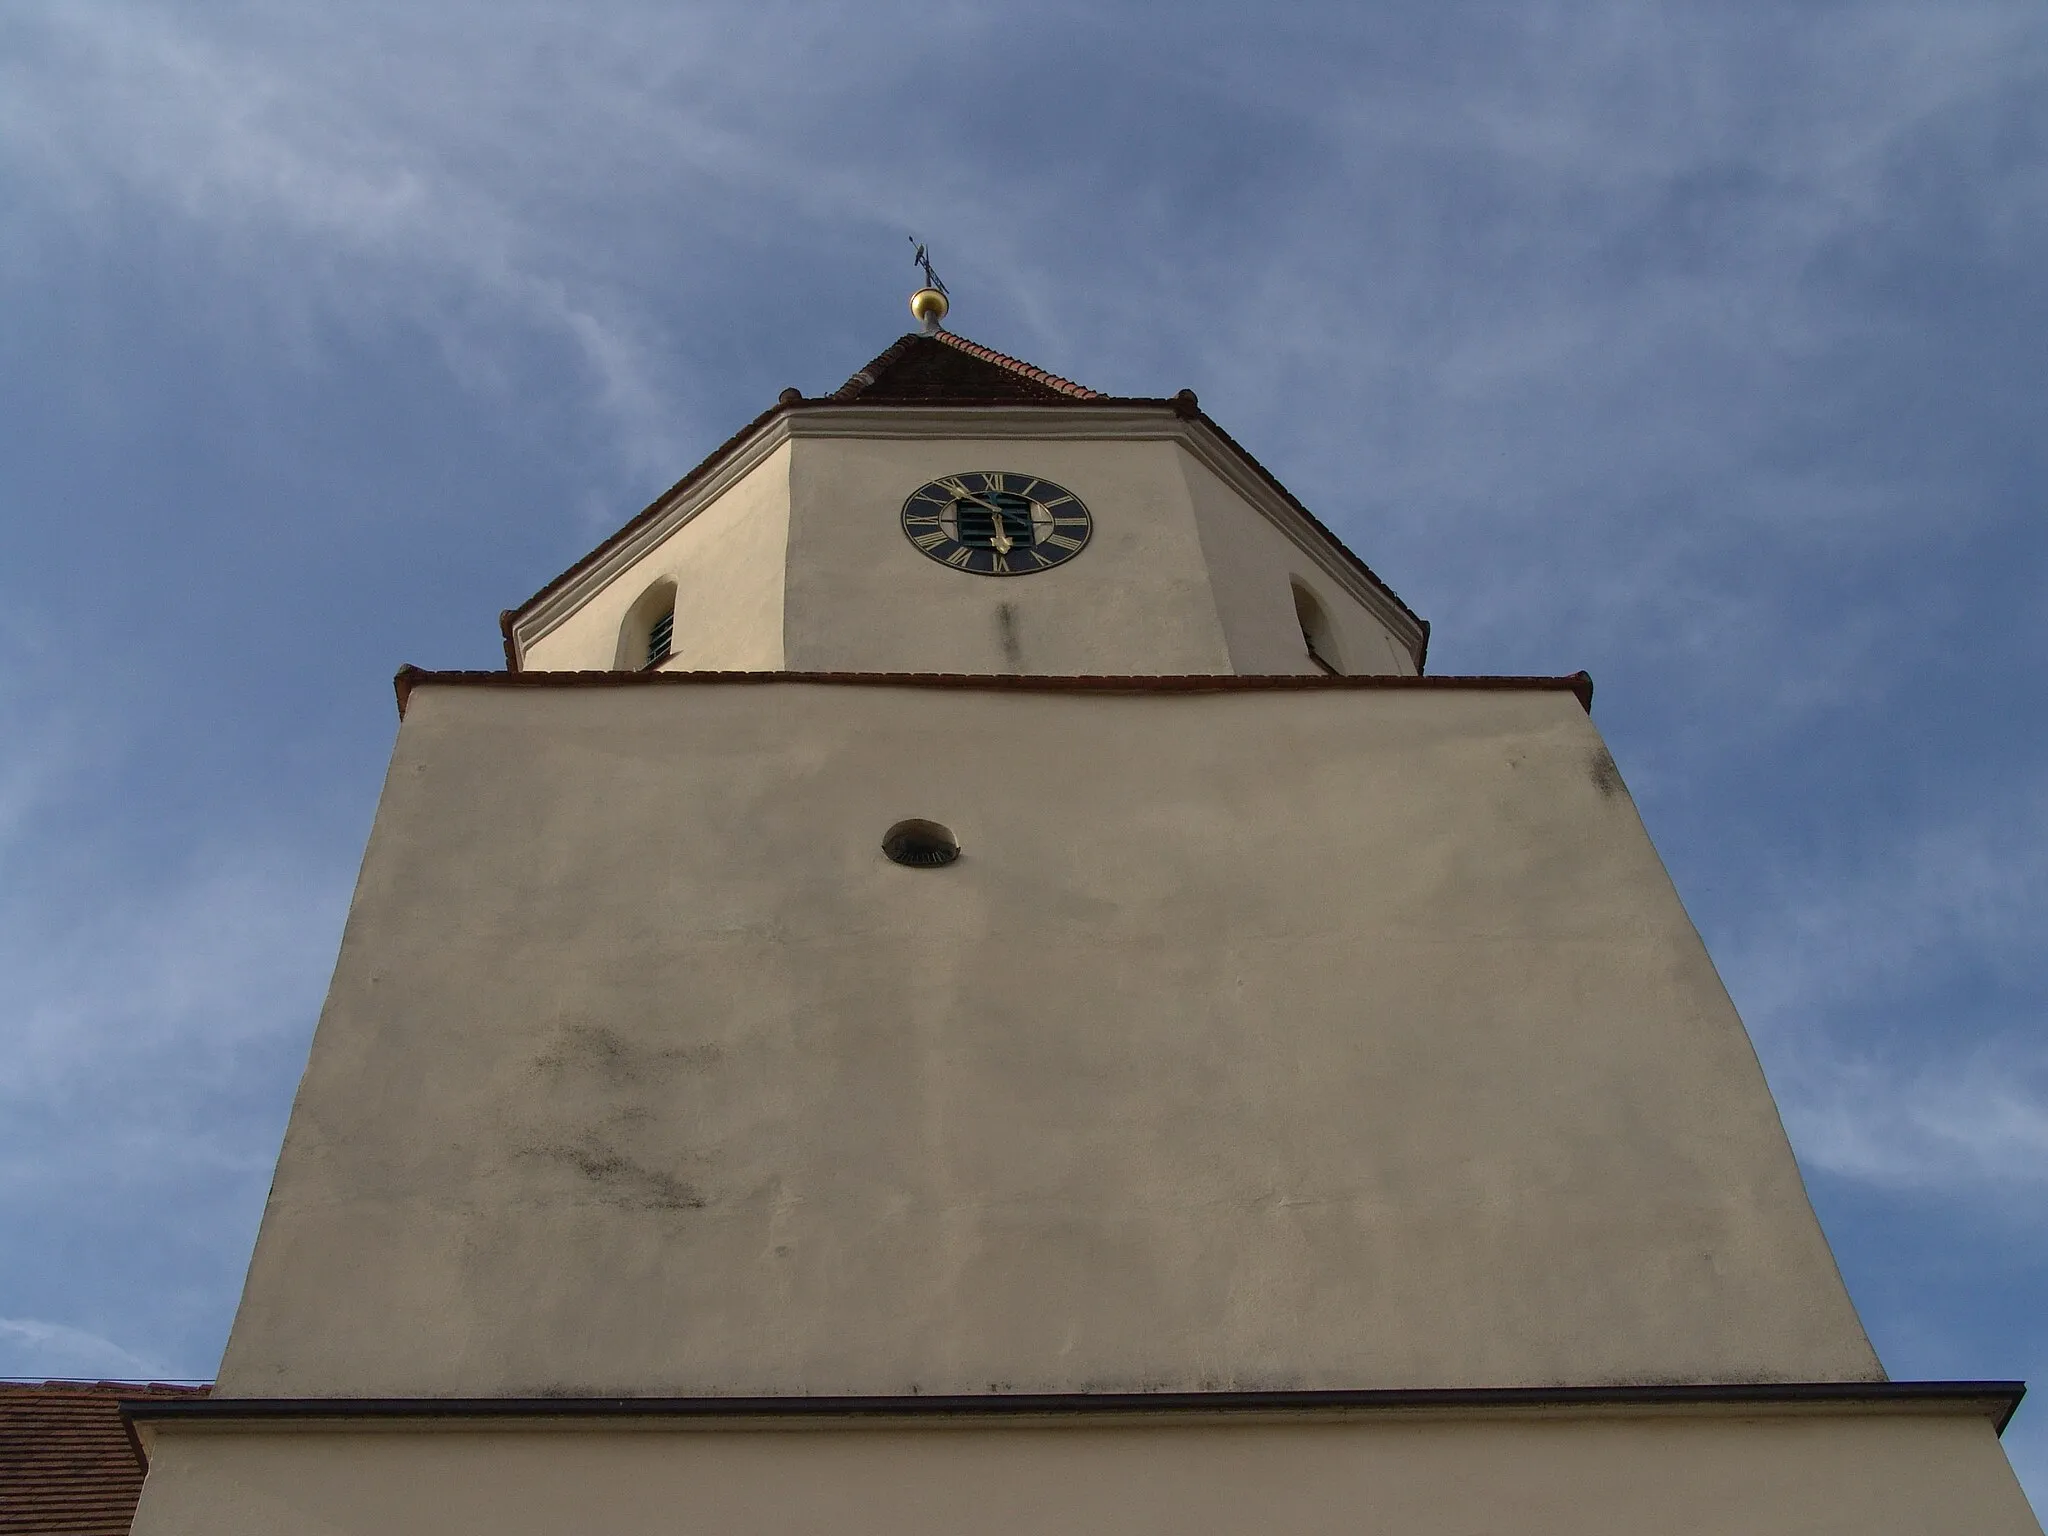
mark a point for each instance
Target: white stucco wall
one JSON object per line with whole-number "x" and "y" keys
{"x": 1253, "y": 568}
{"x": 1780, "y": 1475}
{"x": 727, "y": 562}
{"x": 1307, "y": 1039}
{"x": 863, "y": 599}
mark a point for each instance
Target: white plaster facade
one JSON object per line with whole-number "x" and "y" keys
{"x": 1557, "y": 1474}
{"x": 1305, "y": 1038}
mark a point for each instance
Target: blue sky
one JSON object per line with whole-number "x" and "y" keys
{"x": 1698, "y": 345}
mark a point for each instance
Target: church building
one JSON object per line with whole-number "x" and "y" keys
{"x": 966, "y": 978}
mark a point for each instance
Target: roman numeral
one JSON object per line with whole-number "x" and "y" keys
{"x": 991, "y": 482}
{"x": 1061, "y": 541}
{"x": 954, "y": 486}
{"x": 960, "y": 558}
{"x": 1038, "y": 561}
{"x": 930, "y": 540}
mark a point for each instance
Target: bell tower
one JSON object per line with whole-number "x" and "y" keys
{"x": 802, "y": 544}
{"x": 964, "y": 976}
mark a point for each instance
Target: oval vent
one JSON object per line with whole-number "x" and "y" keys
{"x": 920, "y": 844}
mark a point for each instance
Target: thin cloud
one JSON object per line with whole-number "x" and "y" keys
{"x": 1836, "y": 975}
{"x": 263, "y": 151}
{"x": 1976, "y": 1128}
{"x": 35, "y": 1348}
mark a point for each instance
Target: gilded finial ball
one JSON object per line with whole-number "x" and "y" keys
{"x": 929, "y": 306}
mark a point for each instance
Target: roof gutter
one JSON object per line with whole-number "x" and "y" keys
{"x": 1995, "y": 1400}
{"x": 1578, "y": 684}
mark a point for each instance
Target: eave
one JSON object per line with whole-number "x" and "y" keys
{"x": 1992, "y": 1400}
{"x": 1577, "y": 684}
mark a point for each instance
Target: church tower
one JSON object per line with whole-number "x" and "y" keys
{"x": 964, "y": 977}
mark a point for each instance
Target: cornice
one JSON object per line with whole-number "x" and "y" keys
{"x": 1119, "y": 419}
{"x": 1578, "y": 684}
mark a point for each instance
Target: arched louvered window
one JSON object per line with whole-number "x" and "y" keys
{"x": 647, "y": 638}
{"x": 1316, "y": 632}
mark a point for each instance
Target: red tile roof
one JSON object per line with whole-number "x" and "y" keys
{"x": 943, "y": 366}
{"x": 68, "y": 1466}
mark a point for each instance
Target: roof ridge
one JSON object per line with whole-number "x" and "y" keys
{"x": 1016, "y": 365}
{"x": 900, "y": 349}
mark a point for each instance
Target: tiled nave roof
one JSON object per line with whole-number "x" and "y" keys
{"x": 67, "y": 1464}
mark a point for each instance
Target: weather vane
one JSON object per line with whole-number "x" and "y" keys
{"x": 923, "y": 258}
{"x": 929, "y": 303}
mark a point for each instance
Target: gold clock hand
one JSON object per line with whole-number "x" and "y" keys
{"x": 1000, "y": 537}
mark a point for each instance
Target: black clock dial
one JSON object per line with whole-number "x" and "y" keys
{"x": 996, "y": 522}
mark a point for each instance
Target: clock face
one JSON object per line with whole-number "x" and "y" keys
{"x": 996, "y": 522}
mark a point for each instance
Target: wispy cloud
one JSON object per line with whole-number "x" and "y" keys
{"x": 1977, "y": 1127}
{"x": 1901, "y": 1005}
{"x": 152, "y": 1018}
{"x": 166, "y": 981}
{"x": 31, "y": 1347}
{"x": 335, "y": 177}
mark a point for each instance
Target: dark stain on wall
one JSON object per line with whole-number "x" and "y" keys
{"x": 617, "y": 1179}
{"x": 595, "y": 1048}
{"x": 1606, "y": 776}
{"x": 608, "y": 1111}
{"x": 1006, "y": 631}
